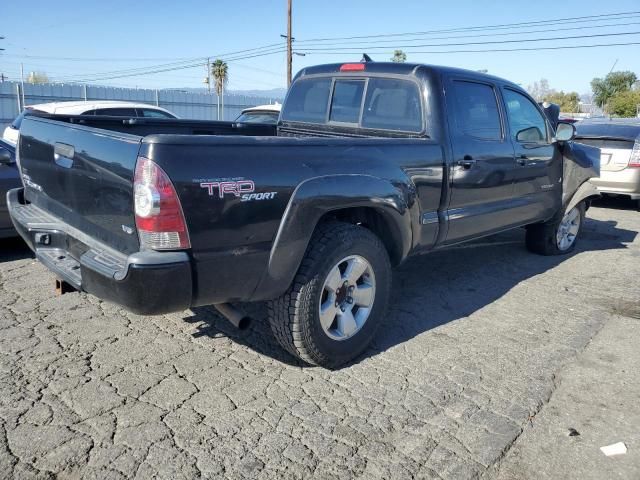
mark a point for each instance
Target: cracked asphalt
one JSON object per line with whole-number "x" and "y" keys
{"x": 478, "y": 341}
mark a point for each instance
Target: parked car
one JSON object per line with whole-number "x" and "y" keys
{"x": 370, "y": 163}
{"x": 261, "y": 114}
{"x": 9, "y": 179}
{"x": 619, "y": 144}
{"x": 98, "y": 107}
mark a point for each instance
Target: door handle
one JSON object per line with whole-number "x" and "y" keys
{"x": 467, "y": 162}
{"x": 63, "y": 154}
{"x": 522, "y": 160}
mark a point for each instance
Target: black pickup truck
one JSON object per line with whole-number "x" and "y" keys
{"x": 369, "y": 164}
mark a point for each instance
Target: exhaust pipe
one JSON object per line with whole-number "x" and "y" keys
{"x": 63, "y": 287}
{"x": 239, "y": 319}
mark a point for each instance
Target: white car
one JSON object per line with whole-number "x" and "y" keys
{"x": 268, "y": 114}
{"x": 91, "y": 107}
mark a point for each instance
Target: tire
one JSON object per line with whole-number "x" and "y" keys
{"x": 543, "y": 238}
{"x": 295, "y": 316}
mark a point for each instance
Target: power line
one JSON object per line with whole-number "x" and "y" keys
{"x": 490, "y": 42}
{"x": 519, "y": 32}
{"x": 483, "y": 27}
{"x": 170, "y": 69}
{"x": 507, "y": 49}
{"x": 189, "y": 63}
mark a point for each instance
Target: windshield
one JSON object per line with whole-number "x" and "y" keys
{"x": 270, "y": 118}
{"x": 374, "y": 103}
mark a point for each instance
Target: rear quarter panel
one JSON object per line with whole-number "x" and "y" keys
{"x": 232, "y": 239}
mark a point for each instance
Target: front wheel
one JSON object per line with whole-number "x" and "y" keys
{"x": 338, "y": 298}
{"x": 559, "y": 235}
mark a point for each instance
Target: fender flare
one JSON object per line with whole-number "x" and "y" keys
{"x": 318, "y": 196}
{"x": 584, "y": 191}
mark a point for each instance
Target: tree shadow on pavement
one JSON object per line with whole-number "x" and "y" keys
{"x": 434, "y": 289}
{"x": 14, "y": 249}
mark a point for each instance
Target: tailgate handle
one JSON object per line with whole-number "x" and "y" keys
{"x": 63, "y": 154}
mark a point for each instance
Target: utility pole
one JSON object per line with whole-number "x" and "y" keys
{"x": 22, "y": 83}
{"x": 209, "y": 75}
{"x": 289, "y": 50}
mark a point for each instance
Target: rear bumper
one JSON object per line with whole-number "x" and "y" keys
{"x": 147, "y": 283}
{"x": 624, "y": 182}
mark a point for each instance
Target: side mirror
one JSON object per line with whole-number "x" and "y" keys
{"x": 5, "y": 157}
{"x": 565, "y": 132}
{"x": 531, "y": 134}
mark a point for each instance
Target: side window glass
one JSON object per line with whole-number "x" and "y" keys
{"x": 476, "y": 110}
{"x": 150, "y": 113}
{"x": 346, "y": 101}
{"x": 525, "y": 120}
{"x": 117, "y": 112}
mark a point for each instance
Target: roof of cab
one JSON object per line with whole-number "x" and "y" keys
{"x": 397, "y": 68}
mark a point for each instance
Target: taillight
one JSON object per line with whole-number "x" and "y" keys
{"x": 159, "y": 216}
{"x": 634, "y": 161}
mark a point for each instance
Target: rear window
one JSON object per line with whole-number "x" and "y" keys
{"x": 270, "y": 118}
{"x": 608, "y": 129}
{"x": 308, "y": 101}
{"x": 346, "y": 101}
{"x": 392, "y": 105}
{"x": 375, "y": 103}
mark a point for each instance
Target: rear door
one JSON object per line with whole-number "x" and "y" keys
{"x": 538, "y": 178}
{"x": 484, "y": 166}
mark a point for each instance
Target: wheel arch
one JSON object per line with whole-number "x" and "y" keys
{"x": 365, "y": 200}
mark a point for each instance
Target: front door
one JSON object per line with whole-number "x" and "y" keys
{"x": 483, "y": 161}
{"x": 538, "y": 181}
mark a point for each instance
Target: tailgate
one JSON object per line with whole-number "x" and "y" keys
{"x": 83, "y": 176}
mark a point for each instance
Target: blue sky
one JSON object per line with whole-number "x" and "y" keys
{"x": 115, "y": 35}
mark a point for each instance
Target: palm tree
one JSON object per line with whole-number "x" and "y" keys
{"x": 220, "y": 73}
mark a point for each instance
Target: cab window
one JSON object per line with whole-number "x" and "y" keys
{"x": 526, "y": 122}
{"x": 476, "y": 110}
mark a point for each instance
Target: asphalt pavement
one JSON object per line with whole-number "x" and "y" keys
{"x": 490, "y": 355}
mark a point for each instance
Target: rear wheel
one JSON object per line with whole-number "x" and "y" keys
{"x": 559, "y": 235}
{"x": 338, "y": 298}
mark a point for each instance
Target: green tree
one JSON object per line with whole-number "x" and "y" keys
{"x": 220, "y": 74}
{"x": 568, "y": 102}
{"x": 399, "y": 56}
{"x": 615, "y": 82}
{"x": 625, "y": 104}
{"x": 38, "y": 77}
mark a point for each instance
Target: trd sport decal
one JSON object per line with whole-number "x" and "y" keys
{"x": 240, "y": 188}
